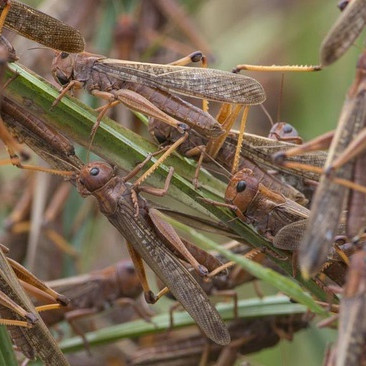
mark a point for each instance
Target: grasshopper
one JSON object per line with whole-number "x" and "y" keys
{"x": 89, "y": 293}
{"x": 350, "y": 347}
{"x": 344, "y": 32}
{"x": 150, "y": 237}
{"x": 31, "y": 336}
{"x": 332, "y": 191}
{"x": 282, "y": 131}
{"x": 194, "y": 144}
{"x": 279, "y": 219}
{"x": 40, "y": 27}
{"x": 249, "y": 335}
{"x": 129, "y": 213}
{"x": 147, "y": 88}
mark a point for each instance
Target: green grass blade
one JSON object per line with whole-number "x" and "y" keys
{"x": 7, "y": 356}
{"x": 272, "y": 305}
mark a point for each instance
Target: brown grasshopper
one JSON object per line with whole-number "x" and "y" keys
{"x": 150, "y": 237}
{"x": 40, "y": 27}
{"x": 89, "y": 293}
{"x": 27, "y": 329}
{"x": 331, "y": 194}
{"x": 281, "y": 220}
{"x": 129, "y": 213}
{"x": 282, "y": 131}
{"x": 351, "y": 344}
{"x": 344, "y": 32}
{"x": 194, "y": 144}
{"x": 147, "y": 88}
{"x": 249, "y": 336}
{"x": 8, "y": 55}
{"x": 257, "y": 204}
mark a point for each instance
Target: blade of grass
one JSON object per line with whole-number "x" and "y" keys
{"x": 280, "y": 282}
{"x": 272, "y": 305}
{"x": 7, "y": 356}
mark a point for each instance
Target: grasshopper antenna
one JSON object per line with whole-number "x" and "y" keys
{"x": 280, "y": 98}
{"x": 264, "y": 109}
{"x": 73, "y": 166}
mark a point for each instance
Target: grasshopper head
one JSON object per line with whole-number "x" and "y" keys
{"x": 282, "y": 131}
{"x": 63, "y": 67}
{"x": 241, "y": 189}
{"x": 94, "y": 176}
{"x": 127, "y": 279}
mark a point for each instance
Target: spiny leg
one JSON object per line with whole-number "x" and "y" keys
{"x": 150, "y": 297}
{"x": 169, "y": 234}
{"x": 4, "y": 13}
{"x": 15, "y": 152}
{"x": 277, "y": 68}
{"x": 168, "y": 152}
{"x": 137, "y": 102}
{"x": 318, "y": 143}
{"x": 35, "y": 168}
{"x": 12, "y": 305}
{"x": 234, "y": 168}
{"x": 354, "y": 149}
{"x": 23, "y": 274}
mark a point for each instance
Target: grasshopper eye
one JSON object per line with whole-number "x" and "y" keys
{"x": 64, "y": 55}
{"x": 130, "y": 269}
{"x": 343, "y": 4}
{"x": 62, "y": 79}
{"x": 287, "y": 128}
{"x": 160, "y": 138}
{"x": 240, "y": 187}
{"x": 94, "y": 172}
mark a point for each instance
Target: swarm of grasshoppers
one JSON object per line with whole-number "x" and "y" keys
{"x": 287, "y": 213}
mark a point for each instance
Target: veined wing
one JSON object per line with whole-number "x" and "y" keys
{"x": 171, "y": 272}
{"x": 344, "y": 32}
{"x": 42, "y": 28}
{"x": 215, "y": 85}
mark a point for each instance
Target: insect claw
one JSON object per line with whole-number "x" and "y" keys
{"x": 196, "y": 56}
{"x": 342, "y": 4}
{"x": 329, "y": 171}
{"x": 31, "y": 318}
{"x": 203, "y": 271}
{"x": 63, "y": 300}
{"x": 182, "y": 127}
{"x": 150, "y": 298}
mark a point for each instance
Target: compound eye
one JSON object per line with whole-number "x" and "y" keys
{"x": 287, "y": 128}
{"x": 94, "y": 171}
{"x": 160, "y": 138}
{"x": 62, "y": 79}
{"x": 240, "y": 187}
{"x": 130, "y": 269}
{"x": 64, "y": 55}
